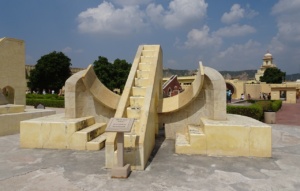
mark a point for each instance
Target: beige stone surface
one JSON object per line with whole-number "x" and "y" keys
{"x": 11, "y": 108}
{"x": 12, "y": 69}
{"x": 10, "y": 122}
{"x": 85, "y": 96}
{"x": 139, "y": 100}
{"x": 238, "y": 136}
{"x": 209, "y": 102}
{"x": 3, "y": 99}
{"x": 58, "y": 132}
{"x": 177, "y": 102}
{"x": 196, "y": 118}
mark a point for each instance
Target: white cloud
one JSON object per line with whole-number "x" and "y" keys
{"x": 243, "y": 50}
{"x": 132, "y": 2}
{"x": 179, "y": 12}
{"x": 235, "y": 30}
{"x": 236, "y": 13}
{"x": 286, "y": 6}
{"x": 288, "y": 22}
{"x": 106, "y": 18}
{"x": 67, "y": 49}
{"x": 239, "y": 57}
{"x": 249, "y": 13}
{"x": 202, "y": 38}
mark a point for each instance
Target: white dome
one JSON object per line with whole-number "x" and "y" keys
{"x": 268, "y": 55}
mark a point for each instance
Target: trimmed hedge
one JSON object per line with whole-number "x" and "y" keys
{"x": 46, "y": 96}
{"x": 256, "y": 110}
{"x": 253, "y": 111}
{"x": 276, "y": 105}
{"x": 48, "y": 100}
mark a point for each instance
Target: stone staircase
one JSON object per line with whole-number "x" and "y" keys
{"x": 57, "y": 132}
{"x": 136, "y": 106}
{"x": 89, "y": 138}
{"x": 192, "y": 141}
{"x": 139, "y": 101}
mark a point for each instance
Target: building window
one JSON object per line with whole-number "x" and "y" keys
{"x": 282, "y": 95}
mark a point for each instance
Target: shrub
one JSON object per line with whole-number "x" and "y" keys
{"x": 253, "y": 111}
{"x": 46, "y": 96}
{"x": 265, "y": 104}
{"x": 48, "y": 100}
{"x": 257, "y": 109}
{"x": 276, "y": 105}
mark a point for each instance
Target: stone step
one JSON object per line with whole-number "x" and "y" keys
{"x": 182, "y": 139}
{"x": 133, "y": 113}
{"x": 139, "y": 91}
{"x": 149, "y": 52}
{"x": 83, "y": 123}
{"x": 136, "y": 127}
{"x": 142, "y": 73}
{"x": 130, "y": 140}
{"x": 80, "y": 138}
{"x": 136, "y": 102}
{"x": 150, "y": 47}
{"x": 141, "y": 82}
{"x": 147, "y": 59}
{"x": 196, "y": 134}
{"x": 144, "y": 66}
{"x": 96, "y": 144}
{"x": 191, "y": 142}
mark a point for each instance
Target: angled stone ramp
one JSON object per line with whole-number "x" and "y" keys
{"x": 139, "y": 101}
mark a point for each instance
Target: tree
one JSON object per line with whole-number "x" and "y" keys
{"x": 273, "y": 76}
{"x": 121, "y": 70}
{"x": 112, "y": 75}
{"x": 51, "y": 72}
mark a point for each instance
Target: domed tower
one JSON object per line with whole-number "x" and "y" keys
{"x": 267, "y": 63}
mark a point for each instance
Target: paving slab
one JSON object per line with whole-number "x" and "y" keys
{"x": 49, "y": 169}
{"x": 289, "y": 114}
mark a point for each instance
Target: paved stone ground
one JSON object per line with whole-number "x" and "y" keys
{"x": 289, "y": 114}
{"x": 46, "y": 169}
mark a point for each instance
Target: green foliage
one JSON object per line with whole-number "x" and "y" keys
{"x": 265, "y": 105}
{"x": 112, "y": 75}
{"x": 47, "y": 96}
{"x": 270, "y": 105}
{"x": 257, "y": 109}
{"x": 50, "y": 73}
{"x": 253, "y": 111}
{"x": 276, "y": 105}
{"x": 48, "y": 100}
{"x": 273, "y": 76}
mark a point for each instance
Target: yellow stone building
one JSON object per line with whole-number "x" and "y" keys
{"x": 267, "y": 63}
{"x": 12, "y": 62}
{"x": 288, "y": 92}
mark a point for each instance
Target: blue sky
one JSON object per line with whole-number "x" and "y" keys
{"x": 225, "y": 35}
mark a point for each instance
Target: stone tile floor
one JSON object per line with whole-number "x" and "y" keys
{"x": 49, "y": 169}
{"x": 46, "y": 169}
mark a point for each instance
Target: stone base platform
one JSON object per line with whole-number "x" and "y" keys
{"x": 59, "y": 132}
{"x": 10, "y": 122}
{"x": 11, "y": 108}
{"x": 237, "y": 136}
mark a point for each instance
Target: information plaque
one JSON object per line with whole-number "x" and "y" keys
{"x": 119, "y": 125}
